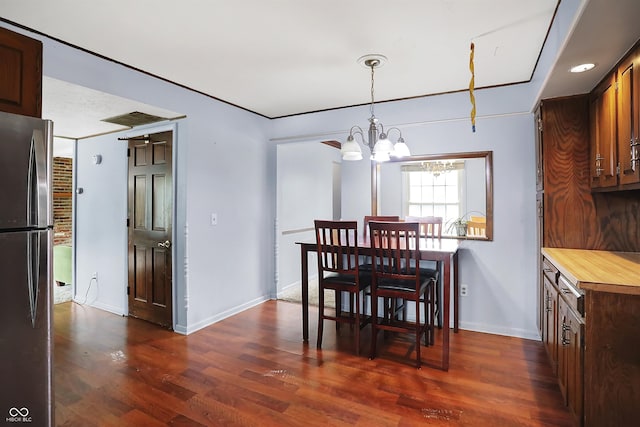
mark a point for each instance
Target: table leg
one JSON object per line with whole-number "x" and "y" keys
{"x": 304, "y": 261}
{"x": 456, "y": 292}
{"x": 445, "y": 316}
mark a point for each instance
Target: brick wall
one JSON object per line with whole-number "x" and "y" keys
{"x": 62, "y": 190}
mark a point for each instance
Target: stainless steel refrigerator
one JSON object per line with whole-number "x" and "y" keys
{"x": 26, "y": 231}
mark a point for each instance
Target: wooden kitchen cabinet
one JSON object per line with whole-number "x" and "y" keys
{"x": 598, "y": 322}
{"x": 628, "y": 119}
{"x": 20, "y": 74}
{"x": 614, "y": 112}
{"x": 603, "y": 141}
{"x": 562, "y": 334}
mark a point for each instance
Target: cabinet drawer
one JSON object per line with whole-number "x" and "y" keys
{"x": 572, "y": 295}
{"x": 550, "y": 271}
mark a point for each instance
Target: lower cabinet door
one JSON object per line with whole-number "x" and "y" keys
{"x": 571, "y": 359}
{"x": 550, "y": 322}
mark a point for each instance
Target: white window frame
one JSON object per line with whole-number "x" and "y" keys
{"x": 450, "y": 213}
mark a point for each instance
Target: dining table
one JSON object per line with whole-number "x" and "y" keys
{"x": 442, "y": 250}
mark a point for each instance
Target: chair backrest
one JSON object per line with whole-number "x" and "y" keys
{"x": 430, "y": 226}
{"x": 337, "y": 247}
{"x": 369, "y": 218}
{"x": 394, "y": 246}
{"x": 477, "y": 226}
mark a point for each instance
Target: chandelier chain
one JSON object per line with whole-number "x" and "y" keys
{"x": 372, "y": 91}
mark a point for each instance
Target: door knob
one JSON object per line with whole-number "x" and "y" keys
{"x": 166, "y": 244}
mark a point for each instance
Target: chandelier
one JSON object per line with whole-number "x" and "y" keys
{"x": 378, "y": 142}
{"x": 437, "y": 168}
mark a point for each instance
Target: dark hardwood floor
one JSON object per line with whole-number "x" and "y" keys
{"x": 254, "y": 370}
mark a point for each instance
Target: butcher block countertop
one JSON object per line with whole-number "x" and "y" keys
{"x": 602, "y": 271}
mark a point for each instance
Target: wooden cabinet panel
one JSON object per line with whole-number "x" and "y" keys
{"x": 20, "y": 74}
{"x": 618, "y": 214}
{"x": 539, "y": 148}
{"x": 602, "y": 112}
{"x": 569, "y": 211}
{"x": 612, "y": 359}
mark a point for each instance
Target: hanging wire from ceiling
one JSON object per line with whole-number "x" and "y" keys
{"x": 471, "y": 87}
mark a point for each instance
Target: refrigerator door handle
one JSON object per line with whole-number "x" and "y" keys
{"x": 33, "y": 273}
{"x": 38, "y": 181}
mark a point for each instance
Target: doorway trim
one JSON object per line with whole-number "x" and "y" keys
{"x": 141, "y": 131}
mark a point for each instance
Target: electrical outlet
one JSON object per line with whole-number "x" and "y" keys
{"x": 464, "y": 290}
{"x": 94, "y": 275}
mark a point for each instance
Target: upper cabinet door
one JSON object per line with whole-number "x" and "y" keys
{"x": 628, "y": 118}
{"x": 603, "y": 134}
{"x": 20, "y": 74}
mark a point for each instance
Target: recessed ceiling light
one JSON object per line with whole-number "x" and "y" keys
{"x": 582, "y": 68}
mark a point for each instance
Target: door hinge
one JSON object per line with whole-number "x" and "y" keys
{"x": 128, "y": 152}
{"x": 128, "y": 290}
{"x": 127, "y": 222}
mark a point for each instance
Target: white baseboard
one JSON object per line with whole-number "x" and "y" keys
{"x": 221, "y": 316}
{"x": 106, "y": 307}
{"x": 500, "y": 330}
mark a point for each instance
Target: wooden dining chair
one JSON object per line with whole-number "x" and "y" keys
{"x": 369, "y": 218}
{"x": 338, "y": 270}
{"x": 394, "y": 247}
{"x": 366, "y": 265}
{"x": 477, "y": 226}
{"x": 431, "y": 227}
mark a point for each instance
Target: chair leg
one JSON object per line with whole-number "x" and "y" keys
{"x": 436, "y": 302}
{"x": 418, "y": 333}
{"x": 338, "y": 303}
{"x": 374, "y": 324}
{"x": 320, "y": 317}
{"x": 385, "y": 309}
{"x": 427, "y": 318}
{"x": 357, "y": 321}
{"x": 432, "y": 314}
{"x": 351, "y": 312}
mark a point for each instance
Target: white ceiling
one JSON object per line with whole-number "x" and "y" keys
{"x": 284, "y": 57}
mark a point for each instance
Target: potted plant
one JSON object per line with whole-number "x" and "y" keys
{"x": 459, "y": 225}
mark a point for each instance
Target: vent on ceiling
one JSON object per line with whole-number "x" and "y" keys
{"x": 135, "y": 118}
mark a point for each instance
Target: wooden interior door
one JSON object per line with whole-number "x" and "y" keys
{"x": 150, "y": 223}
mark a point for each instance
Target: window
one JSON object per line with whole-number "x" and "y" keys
{"x": 450, "y": 185}
{"x": 426, "y": 193}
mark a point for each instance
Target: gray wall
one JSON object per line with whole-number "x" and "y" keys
{"x": 304, "y": 193}
{"x": 226, "y": 164}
